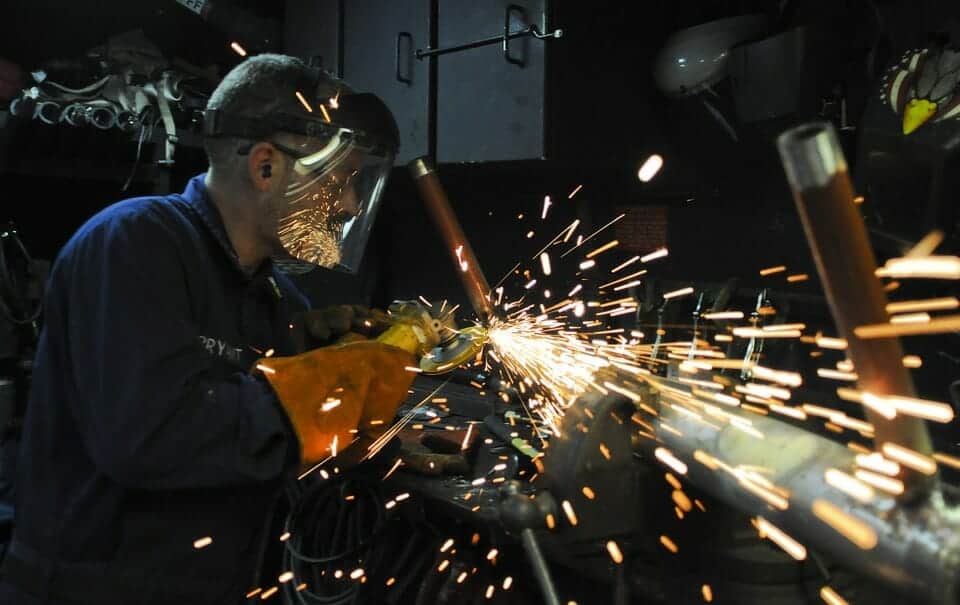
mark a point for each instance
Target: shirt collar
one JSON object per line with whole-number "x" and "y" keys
{"x": 199, "y": 200}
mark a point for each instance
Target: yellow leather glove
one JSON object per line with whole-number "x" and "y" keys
{"x": 339, "y": 393}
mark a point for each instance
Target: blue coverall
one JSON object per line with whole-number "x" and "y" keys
{"x": 145, "y": 433}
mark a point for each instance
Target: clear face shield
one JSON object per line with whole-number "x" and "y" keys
{"x": 331, "y": 201}
{"x": 342, "y": 159}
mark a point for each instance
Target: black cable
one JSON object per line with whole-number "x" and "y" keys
{"x": 146, "y": 132}
{"x": 10, "y": 296}
{"x": 330, "y": 533}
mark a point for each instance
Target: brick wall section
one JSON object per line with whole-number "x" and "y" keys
{"x": 643, "y": 229}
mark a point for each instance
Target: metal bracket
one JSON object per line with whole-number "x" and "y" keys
{"x": 400, "y": 78}
{"x": 530, "y": 30}
{"x": 513, "y": 9}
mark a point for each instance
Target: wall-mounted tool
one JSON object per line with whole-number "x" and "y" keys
{"x": 755, "y": 347}
{"x": 660, "y": 332}
{"x": 696, "y": 327}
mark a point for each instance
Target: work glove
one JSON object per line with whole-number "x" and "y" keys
{"x": 341, "y": 393}
{"x": 337, "y": 323}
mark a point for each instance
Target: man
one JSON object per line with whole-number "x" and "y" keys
{"x": 152, "y": 456}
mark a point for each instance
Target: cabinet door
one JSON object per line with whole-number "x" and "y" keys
{"x": 489, "y": 109}
{"x": 380, "y": 38}
{"x": 311, "y": 29}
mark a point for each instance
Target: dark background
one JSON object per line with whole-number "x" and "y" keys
{"x": 725, "y": 206}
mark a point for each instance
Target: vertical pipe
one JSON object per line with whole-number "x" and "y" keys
{"x": 817, "y": 172}
{"x": 540, "y": 569}
{"x": 438, "y": 207}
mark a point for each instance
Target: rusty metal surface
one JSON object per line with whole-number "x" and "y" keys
{"x": 838, "y": 239}
{"x": 461, "y": 253}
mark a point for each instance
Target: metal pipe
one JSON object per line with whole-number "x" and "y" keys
{"x": 914, "y": 549}
{"x": 102, "y": 116}
{"x": 540, "y": 569}
{"x": 465, "y": 261}
{"x": 75, "y": 114}
{"x": 48, "y": 112}
{"x": 127, "y": 122}
{"x": 528, "y": 31}
{"x": 817, "y": 173}
{"x": 423, "y": 54}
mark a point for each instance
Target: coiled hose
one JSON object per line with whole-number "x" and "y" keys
{"x": 334, "y": 526}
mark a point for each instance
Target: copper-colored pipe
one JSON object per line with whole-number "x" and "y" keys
{"x": 439, "y": 209}
{"x": 817, "y": 172}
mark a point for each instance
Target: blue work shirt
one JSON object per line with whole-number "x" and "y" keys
{"x": 145, "y": 434}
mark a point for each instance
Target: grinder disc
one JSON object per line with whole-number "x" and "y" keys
{"x": 461, "y": 349}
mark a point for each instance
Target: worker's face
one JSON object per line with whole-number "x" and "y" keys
{"x": 320, "y": 202}
{"x": 311, "y": 214}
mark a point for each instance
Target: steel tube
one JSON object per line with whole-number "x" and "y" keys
{"x": 817, "y": 173}
{"x": 914, "y": 549}
{"x": 423, "y": 54}
{"x": 439, "y": 209}
{"x": 540, "y": 569}
{"x": 49, "y": 112}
